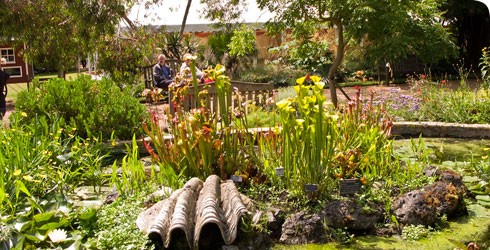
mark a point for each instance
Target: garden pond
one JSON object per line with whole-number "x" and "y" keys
{"x": 453, "y": 153}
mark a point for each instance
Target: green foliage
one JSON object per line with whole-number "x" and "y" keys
{"x": 309, "y": 55}
{"x": 479, "y": 177}
{"x": 242, "y": 42}
{"x": 485, "y": 68}
{"x": 218, "y": 43}
{"x": 284, "y": 93}
{"x": 461, "y": 106}
{"x": 174, "y": 46}
{"x": 320, "y": 146}
{"x": 116, "y": 228}
{"x": 258, "y": 117}
{"x": 416, "y": 232}
{"x": 202, "y": 143}
{"x": 60, "y": 30}
{"x": 435, "y": 101}
{"x": 123, "y": 58}
{"x": 92, "y": 108}
{"x": 308, "y": 137}
{"x": 132, "y": 173}
{"x": 383, "y": 27}
{"x": 42, "y": 159}
{"x": 278, "y": 75}
{"x": 224, "y": 14}
{"x": 37, "y": 219}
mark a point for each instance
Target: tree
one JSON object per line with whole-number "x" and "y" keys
{"x": 226, "y": 16}
{"x": 184, "y": 20}
{"x": 60, "y": 29}
{"x": 392, "y": 28}
{"x": 225, "y": 13}
{"x": 469, "y": 21}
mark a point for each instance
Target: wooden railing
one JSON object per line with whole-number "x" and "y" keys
{"x": 247, "y": 92}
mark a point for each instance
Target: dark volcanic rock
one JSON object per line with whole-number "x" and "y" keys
{"x": 348, "y": 214}
{"x": 412, "y": 208}
{"x": 445, "y": 196}
{"x": 303, "y": 228}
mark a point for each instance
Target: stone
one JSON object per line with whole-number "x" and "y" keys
{"x": 412, "y": 209}
{"x": 349, "y": 214}
{"x": 275, "y": 220}
{"x": 303, "y": 228}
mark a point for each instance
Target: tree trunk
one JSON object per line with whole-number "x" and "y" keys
{"x": 182, "y": 27}
{"x": 332, "y": 83}
{"x": 61, "y": 73}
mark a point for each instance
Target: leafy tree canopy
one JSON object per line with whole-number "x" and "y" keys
{"x": 225, "y": 13}
{"x": 60, "y": 29}
{"x": 389, "y": 29}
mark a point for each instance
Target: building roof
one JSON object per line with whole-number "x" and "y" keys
{"x": 205, "y": 27}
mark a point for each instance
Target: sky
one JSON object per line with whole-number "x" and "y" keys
{"x": 172, "y": 13}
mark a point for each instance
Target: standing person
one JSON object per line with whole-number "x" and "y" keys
{"x": 3, "y": 83}
{"x": 162, "y": 73}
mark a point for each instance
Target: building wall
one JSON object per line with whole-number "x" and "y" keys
{"x": 16, "y": 66}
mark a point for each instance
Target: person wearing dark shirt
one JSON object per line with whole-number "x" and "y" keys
{"x": 162, "y": 74}
{"x": 3, "y": 82}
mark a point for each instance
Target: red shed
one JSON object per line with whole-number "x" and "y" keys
{"x": 18, "y": 69}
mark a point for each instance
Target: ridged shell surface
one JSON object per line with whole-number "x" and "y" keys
{"x": 197, "y": 205}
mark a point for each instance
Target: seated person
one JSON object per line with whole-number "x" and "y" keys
{"x": 185, "y": 70}
{"x": 162, "y": 74}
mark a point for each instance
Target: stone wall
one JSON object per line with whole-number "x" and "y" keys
{"x": 440, "y": 129}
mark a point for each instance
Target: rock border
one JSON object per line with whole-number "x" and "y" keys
{"x": 441, "y": 129}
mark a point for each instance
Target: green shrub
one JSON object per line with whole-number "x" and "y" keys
{"x": 93, "y": 108}
{"x": 280, "y": 76}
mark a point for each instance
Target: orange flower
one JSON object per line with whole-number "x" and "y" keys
{"x": 206, "y": 129}
{"x": 364, "y": 181}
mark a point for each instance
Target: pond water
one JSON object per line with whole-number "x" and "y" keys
{"x": 446, "y": 149}
{"x": 454, "y": 153}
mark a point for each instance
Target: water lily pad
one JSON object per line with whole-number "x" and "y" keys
{"x": 450, "y": 164}
{"x": 485, "y": 198}
{"x": 470, "y": 179}
{"x": 485, "y": 204}
{"x": 478, "y": 210}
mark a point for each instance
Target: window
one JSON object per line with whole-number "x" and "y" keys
{"x": 14, "y": 72}
{"x": 8, "y": 53}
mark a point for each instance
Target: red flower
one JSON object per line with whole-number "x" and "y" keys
{"x": 150, "y": 150}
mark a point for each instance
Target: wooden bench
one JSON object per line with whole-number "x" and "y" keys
{"x": 148, "y": 77}
{"x": 257, "y": 93}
